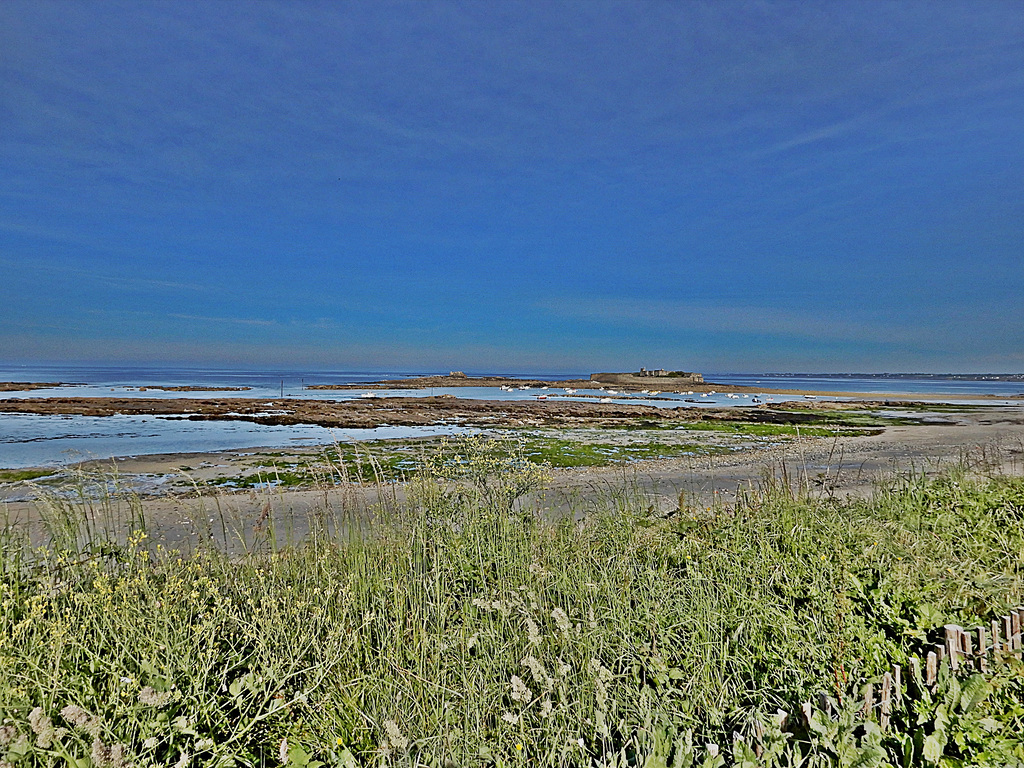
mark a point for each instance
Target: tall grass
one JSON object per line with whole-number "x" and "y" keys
{"x": 459, "y": 628}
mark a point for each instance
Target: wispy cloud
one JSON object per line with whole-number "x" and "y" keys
{"x": 228, "y": 320}
{"x": 59, "y": 267}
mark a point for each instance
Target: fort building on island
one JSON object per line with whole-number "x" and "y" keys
{"x": 655, "y": 373}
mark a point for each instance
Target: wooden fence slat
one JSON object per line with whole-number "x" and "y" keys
{"x": 982, "y": 650}
{"x": 1015, "y": 624}
{"x": 953, "y": 646}
{"x": 1007, "y": 633}
{"x": 886, "y": 701}
{"x": 869, "y": 700}
{"x": 931, "y": 668}
{"x": 994, "y": 626}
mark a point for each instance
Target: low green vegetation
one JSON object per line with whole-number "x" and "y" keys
{"x": 386, "y": 462}
{"x": 762, "y": 429}
{"x": 19, "y": 475}
{"x": 571, "y": 453}
{"x": 459, "y": 628}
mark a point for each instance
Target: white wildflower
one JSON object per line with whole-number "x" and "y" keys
{"x": 563, "y": 669}
{"x": 150, "y": 743}
{"x": 204, "y": 744}
{"x": 395, "y": 736}
{"x": 282, "y": 751}
{"x": 183, "y": 760}
{"x": 712, "y": 749}
{"x": 471, "y": 643}
{"x": 591, "y": 620}
{"x": 509, "y": 718}
{"x": 520, "y": 692}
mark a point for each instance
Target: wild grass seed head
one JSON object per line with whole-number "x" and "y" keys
{"x": 42, "y": 727}
{"x": 395, "y": 736}
{"x": 532, "y": 631}
{"x": 546, "y": 707}
{"x": 540, "y": 675}
{"x": 109, "y": 756}
{"x": 8, "y": 733}
{"x": 562, "y": 621}
{"x": 520, "y": 691}
{"x": 150, "y": 697}
{"x": 81, "y": 720}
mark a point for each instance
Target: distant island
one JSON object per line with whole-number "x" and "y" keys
{"x": 666, "y": 380}
{"x": 932, "y": 376}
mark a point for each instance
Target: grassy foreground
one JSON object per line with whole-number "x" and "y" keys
{"x": 459, "y": 629}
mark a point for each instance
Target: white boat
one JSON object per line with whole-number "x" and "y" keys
{"x": 606, "y": 399}
{"x": 368, "y": 394}
{"x": 569, "y": 391}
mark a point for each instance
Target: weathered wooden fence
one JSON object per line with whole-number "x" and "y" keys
{"x": 966, "y": 651}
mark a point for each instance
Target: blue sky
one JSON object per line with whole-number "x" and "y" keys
{"x": 718, "y": 186}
